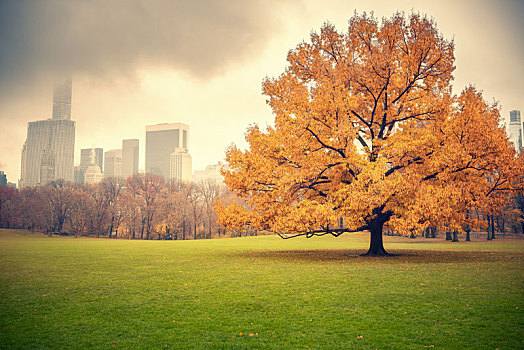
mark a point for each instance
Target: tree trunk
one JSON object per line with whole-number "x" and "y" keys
{"x": 433, "y": 232}
{"x": 448, "y": 236}
{"x": 376, "y": 245}
{"x": 455, "y": 237}
{"x": 111, "y": 226}
{"x": 467, "y": 235}
{"x": 489, "y": 227}
{"x": 492, "y": 227}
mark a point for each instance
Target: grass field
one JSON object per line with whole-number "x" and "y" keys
{"x": 260, "y": 292}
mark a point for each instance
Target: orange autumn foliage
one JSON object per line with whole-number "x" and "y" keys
{"x": 368, "y": 132}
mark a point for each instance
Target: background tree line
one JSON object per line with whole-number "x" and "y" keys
{"x": 148, "y": 207}
{"x": 143, "y": 207}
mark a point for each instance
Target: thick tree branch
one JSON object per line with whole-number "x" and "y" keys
{"x": 334, "y": 232}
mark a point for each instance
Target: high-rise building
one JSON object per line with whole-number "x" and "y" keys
{"x": 3, "y": 179}
{"x": 515, "y": 129}
{"x": 62, "y": 100}
{"x": 47, "y": 165}
{"x": 59, "y": 133}
{"x": 23, "y": 166}
{"x": 180, "y": 166}
{"x": 161, "y": 142}
{"x": 113, "y": 163}
{"x": 79, "y": 177}
{"x": 91, "y": 156}
{"x": 129, "y": 158}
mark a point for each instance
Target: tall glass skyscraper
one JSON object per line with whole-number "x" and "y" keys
{"x": 113, "y": 164}
{"x": 161, "y": 142}
{"x": 129, "y": 158}
{"x": 515, "y": 129}
{"x": 56, "y": 136}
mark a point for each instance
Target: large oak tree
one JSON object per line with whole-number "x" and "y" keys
{"x": 368, "y": 133}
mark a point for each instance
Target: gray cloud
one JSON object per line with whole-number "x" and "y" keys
{"x": 111, "y": 37}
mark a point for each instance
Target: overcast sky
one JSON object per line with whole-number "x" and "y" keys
{"x": 142, "y": 62}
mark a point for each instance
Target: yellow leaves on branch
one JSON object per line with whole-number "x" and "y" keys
{"x": 366, "y": 129}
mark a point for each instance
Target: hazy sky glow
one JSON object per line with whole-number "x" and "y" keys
{"x": 141, "y": 62}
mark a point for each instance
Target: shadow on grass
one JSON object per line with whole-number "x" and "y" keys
{"x": 399, "y": 256}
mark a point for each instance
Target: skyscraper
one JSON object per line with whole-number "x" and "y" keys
{"x": 180, "y": 166}
{"x": 515, "y": 129}
{"x": 58, "y": 133}
{"x": 79, "y": 177}
{"x": 161, "y": 142}
{"x": 129, "y": 158}
{"x": 113, "y": 163}
{"x": 62, "y": 100}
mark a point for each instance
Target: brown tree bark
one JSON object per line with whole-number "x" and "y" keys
{"x": 376, "y": 244}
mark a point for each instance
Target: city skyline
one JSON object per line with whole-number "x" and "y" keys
{"x": 217, "y": 91}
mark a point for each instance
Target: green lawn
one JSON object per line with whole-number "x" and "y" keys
{"x": 260, "y": 292}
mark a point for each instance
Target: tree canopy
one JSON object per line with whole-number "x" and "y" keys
{"x": 368, "y": 133}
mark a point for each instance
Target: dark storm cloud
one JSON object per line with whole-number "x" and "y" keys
{"x": 105, "y": 37}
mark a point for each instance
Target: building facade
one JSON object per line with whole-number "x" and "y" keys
{"x": 60, "y": 134}
{"x": 91, "y": 156}
{"x": 47, "y": 166}
{"x": 3, "y": 179}
{"x": 78, "y": 177}
{"x": 23, "y": 166}
{"x": 129, "y": 158}
{"x": 180, "y": 166}
{"x": 93, "y": 175}
{"x": 161, "y": 141}
{"x": 113, "y": 164}
{"x": 515, "y": 129}
{"x": 211, "y": 173}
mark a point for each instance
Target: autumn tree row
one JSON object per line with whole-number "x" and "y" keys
{"x": 144, "y": 207}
